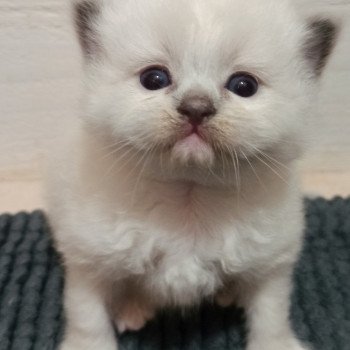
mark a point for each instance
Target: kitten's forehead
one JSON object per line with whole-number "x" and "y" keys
{"x": 202, "y": 32}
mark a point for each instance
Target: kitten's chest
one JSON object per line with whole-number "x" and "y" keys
{"x": 183, "y": 267}
{"x": 181, "y": 252}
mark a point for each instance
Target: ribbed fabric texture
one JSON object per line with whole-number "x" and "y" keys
{"x": 31, "y": 283}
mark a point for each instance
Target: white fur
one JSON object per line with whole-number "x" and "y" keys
{"x": 143, "y": 224}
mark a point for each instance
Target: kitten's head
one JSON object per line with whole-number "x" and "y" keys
{"x": 203, "y": 83}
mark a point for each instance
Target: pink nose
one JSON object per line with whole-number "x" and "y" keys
{"x": 196, "y": 108}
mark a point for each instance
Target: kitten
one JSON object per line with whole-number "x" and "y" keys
{"x": 180, "y": 184}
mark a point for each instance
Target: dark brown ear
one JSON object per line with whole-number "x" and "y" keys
{"x": 86, "y": 13}
{"x": 322, "y": 35}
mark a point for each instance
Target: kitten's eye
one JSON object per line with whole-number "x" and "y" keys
{"x": 155, "y": 78}
{"x": 242, "y": 84}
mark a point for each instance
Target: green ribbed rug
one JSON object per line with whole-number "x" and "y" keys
{"x": 31, "y": 282}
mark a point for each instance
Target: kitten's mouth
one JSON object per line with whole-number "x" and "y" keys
{"x": 193, "y": 148}
{"x": 195, "y": 129}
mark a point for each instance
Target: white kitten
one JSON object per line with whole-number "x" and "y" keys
{"x": 180, "y": 184}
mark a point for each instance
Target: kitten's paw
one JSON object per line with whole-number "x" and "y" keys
{"x": 225, "y": 298}
{"x": 78, "y": 343}
{"x": 132, "y": 317}
{"x": 283, "y": 344}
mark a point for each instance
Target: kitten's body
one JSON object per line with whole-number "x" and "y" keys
{"x": 179, "y": 237}
{"x": 161, "y": 218}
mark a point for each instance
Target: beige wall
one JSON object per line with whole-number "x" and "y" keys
{"x": 39, "y": 93}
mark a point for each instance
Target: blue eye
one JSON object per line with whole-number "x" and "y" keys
{"x": 155, "y": 78}
{"x": 242, "y": 84}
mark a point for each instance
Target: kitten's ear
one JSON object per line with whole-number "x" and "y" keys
{"x": 86, "y": 13}
{"x": 321, "y": 38}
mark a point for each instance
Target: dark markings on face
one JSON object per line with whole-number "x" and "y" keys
{"x": 86, "y": 13}
{"x": 319, "y": 45}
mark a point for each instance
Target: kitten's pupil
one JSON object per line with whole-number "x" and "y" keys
{"x": 243, "y": 85}
{"x": 155, "y": 79}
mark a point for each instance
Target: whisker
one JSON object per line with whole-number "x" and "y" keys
{"x": 277, "y": 164}
{"x": 210, "y": 171}
{"x": 234, "y": 160}
{"x": 114, "y": 144}
{"x": 161, "y": 162}
{"x": 238, "y": 171}
{"x": 272, "y": 169}
{"x": 124, "y": 143}
{"x": 253, "y": 169}
{"x": 274, "y": 160}
{"x": 222, "y": 156}
{"x": 116, "y": 150}
{"x": 143, "y": 159}
{"x": 116, "y": 161}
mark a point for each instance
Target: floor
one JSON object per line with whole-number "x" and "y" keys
{"x": 40, "y": 89}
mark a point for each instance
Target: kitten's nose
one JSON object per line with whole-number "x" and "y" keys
{"x": 196, "y": 108}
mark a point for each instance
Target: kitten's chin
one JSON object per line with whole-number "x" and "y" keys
{"x": 193, "y": 150}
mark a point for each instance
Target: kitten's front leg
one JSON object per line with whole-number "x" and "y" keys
{"x": 88, "y": 324}
{"x": 228, "y": 295}
{"x": 132, "y": 312}
{"x": 267, "y": 305}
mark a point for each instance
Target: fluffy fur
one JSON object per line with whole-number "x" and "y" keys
{"x": 147, "y": 216}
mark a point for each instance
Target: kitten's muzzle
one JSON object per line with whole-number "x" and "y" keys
{"x": 196, "y": 109}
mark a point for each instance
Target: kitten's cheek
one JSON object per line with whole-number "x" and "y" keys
{"x": 193, "y": 148}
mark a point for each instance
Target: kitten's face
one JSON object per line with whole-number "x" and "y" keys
{"x": 201, "y": 83}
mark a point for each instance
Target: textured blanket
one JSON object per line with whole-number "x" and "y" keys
{"x": 31, "y": 282}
